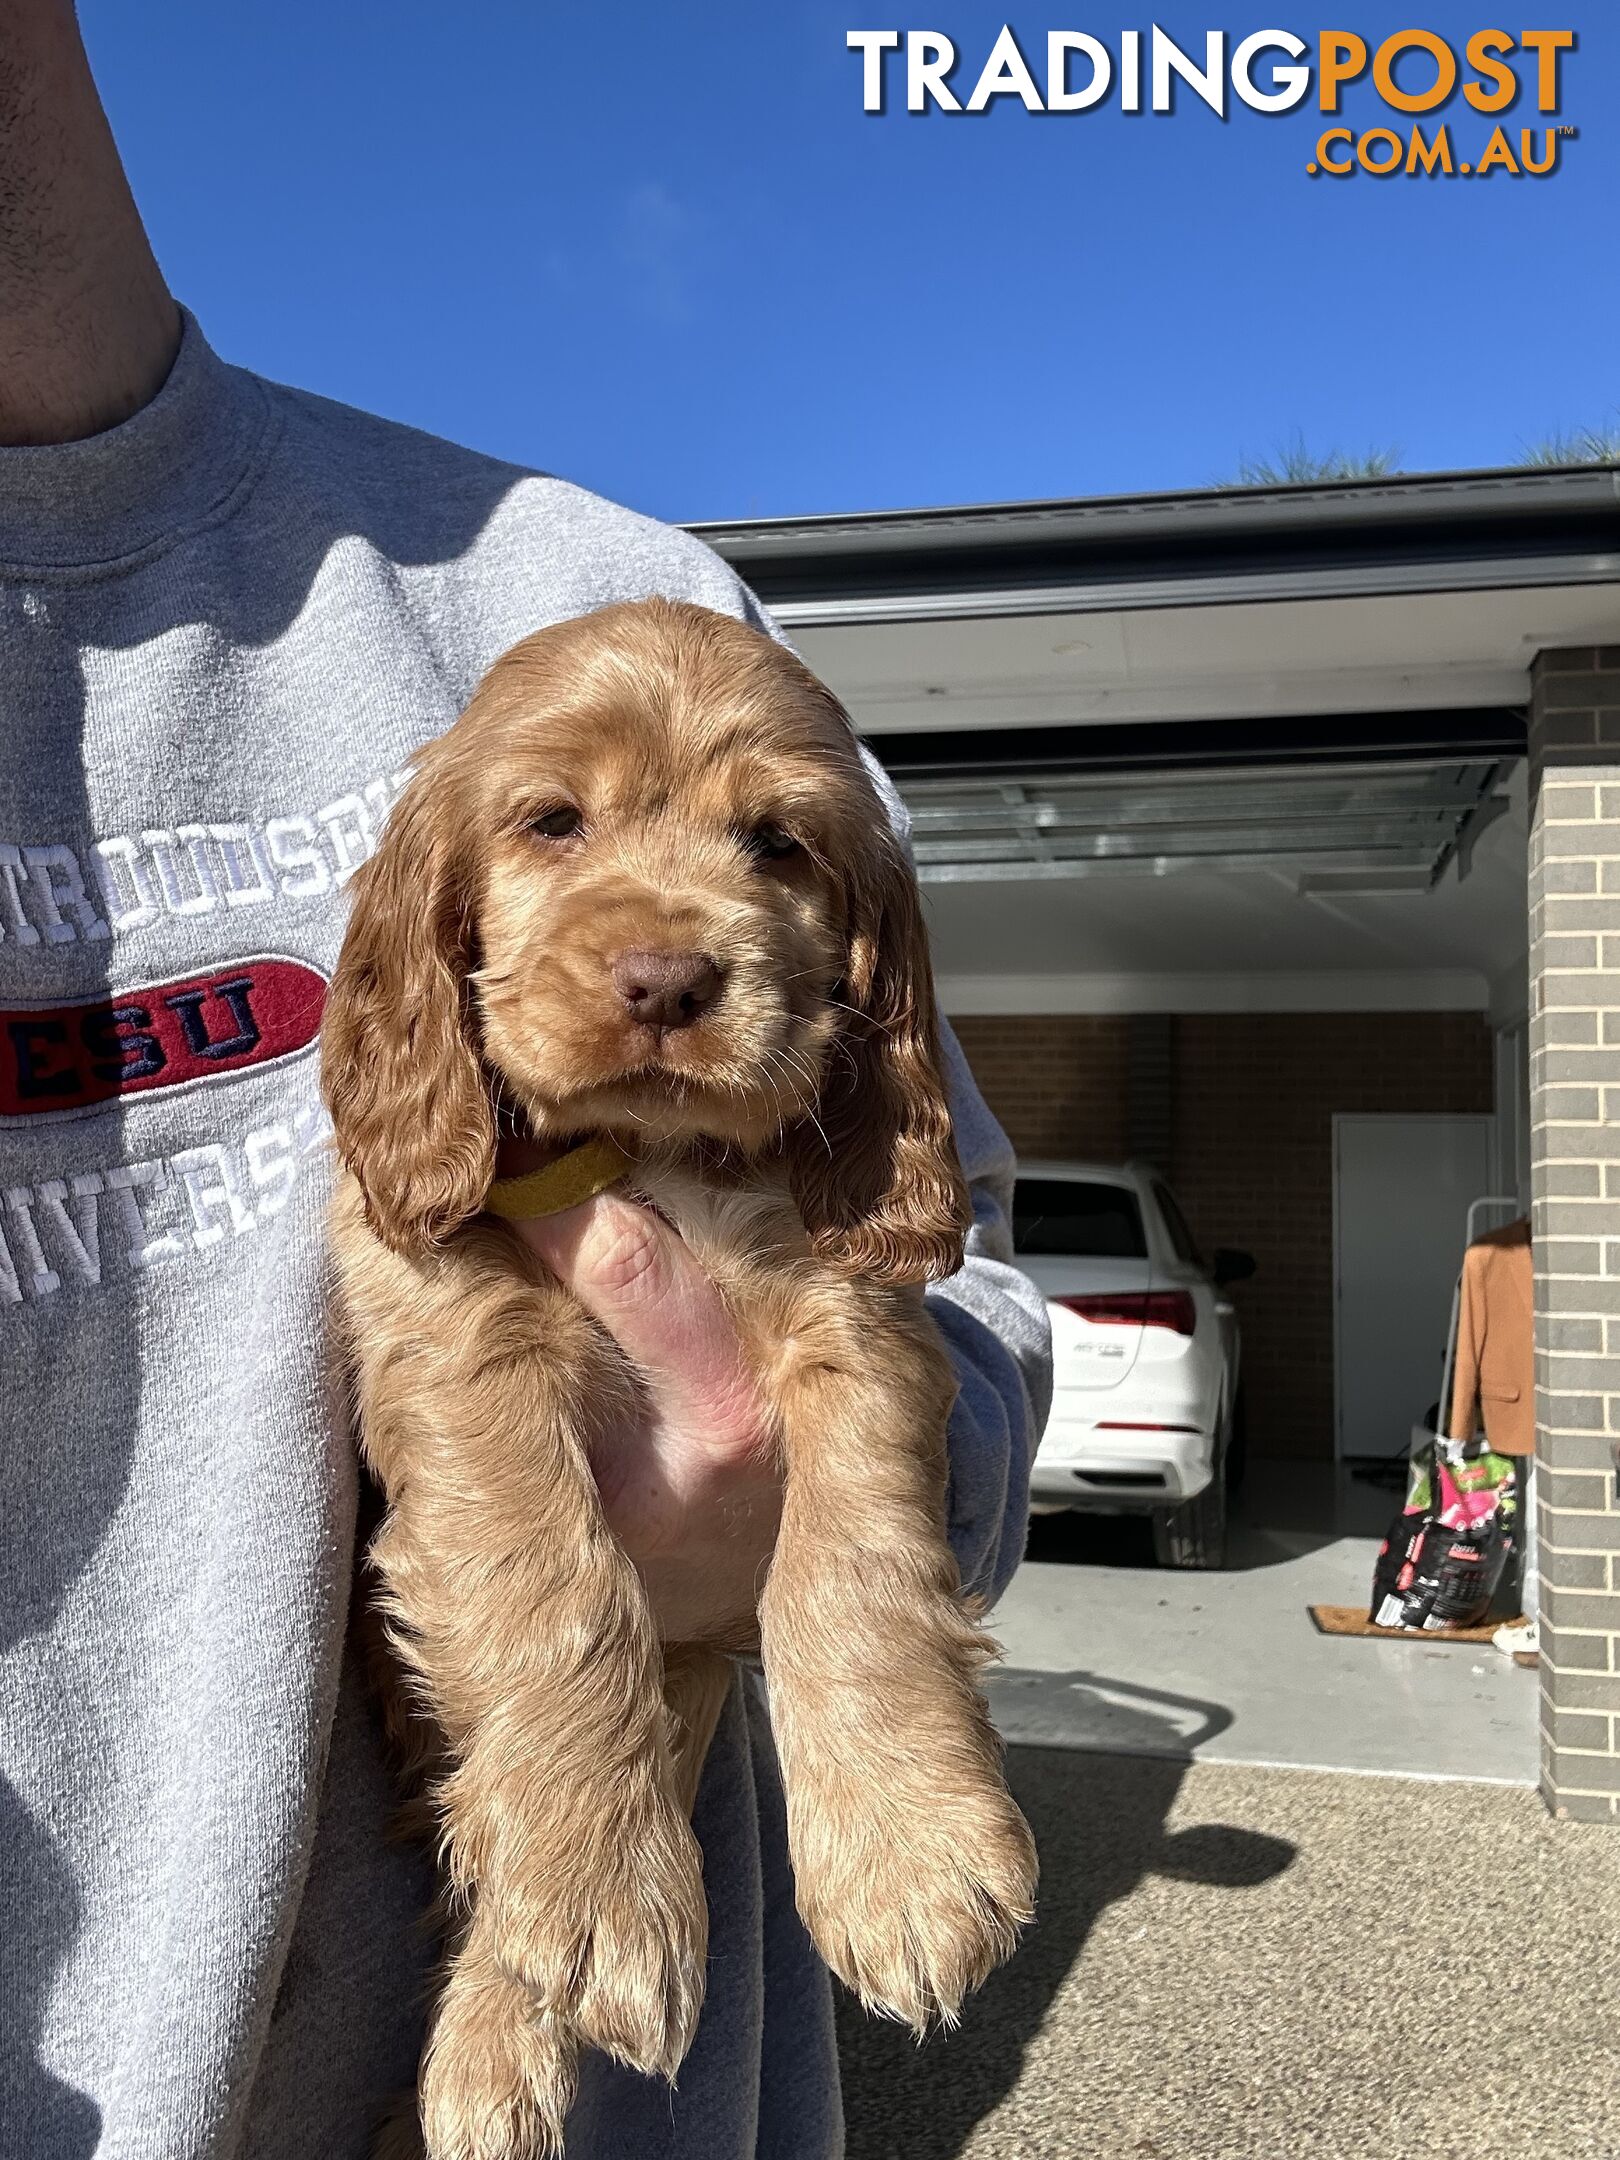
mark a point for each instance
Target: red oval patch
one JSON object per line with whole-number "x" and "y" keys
{"x": 58, "y": 1059}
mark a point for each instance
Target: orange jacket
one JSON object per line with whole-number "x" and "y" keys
{"x": 1496, "y": 1367}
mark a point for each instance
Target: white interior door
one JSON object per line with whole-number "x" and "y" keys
{"x": 1401, "y": 1191}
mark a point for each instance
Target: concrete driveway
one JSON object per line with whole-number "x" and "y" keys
{"x": 1298, "y": 1894}
{"x": 1234, "y": 1963}
{"x": 1104, "y": 1649}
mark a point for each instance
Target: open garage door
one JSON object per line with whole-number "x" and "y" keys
{"x": 1221, "y": 806}
{"x": 1203, "y": 960}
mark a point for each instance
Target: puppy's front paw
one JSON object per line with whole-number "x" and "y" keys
{"x": 499, "y": 2073}
{"x": 913, "y": 1898}
{"x": 615, "y": 1936}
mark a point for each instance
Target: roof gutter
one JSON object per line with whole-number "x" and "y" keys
{"x": 1363, "y": 540}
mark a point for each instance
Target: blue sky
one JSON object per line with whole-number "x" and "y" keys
{"x": 660, "y": 248}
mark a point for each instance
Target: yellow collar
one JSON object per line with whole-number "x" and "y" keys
{"x": 572, "y": 1179}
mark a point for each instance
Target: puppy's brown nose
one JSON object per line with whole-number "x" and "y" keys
{"x": 666, "y": 989}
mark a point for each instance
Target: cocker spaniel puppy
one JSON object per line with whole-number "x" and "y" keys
{"x": 643, "y": 904}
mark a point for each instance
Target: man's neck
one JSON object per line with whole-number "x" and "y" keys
{"x": 88, "y": 329}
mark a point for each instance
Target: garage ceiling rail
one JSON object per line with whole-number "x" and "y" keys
{"x": 1392, "y": 824}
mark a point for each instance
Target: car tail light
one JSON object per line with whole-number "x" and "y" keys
{"x": 1172, "y": 1309}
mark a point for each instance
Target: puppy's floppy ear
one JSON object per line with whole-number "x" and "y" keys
{"x": 883, "y": 1194}
{"x": 400, "y": 1069}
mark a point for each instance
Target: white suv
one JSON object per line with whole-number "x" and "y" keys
{"x": 1145, "y": 1410}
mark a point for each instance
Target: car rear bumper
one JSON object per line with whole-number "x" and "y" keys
{"x": 1083, "y": 1464}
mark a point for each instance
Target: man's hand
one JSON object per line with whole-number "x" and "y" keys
{"x": 693, "y": 1492}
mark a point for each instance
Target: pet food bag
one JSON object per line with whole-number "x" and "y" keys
{"x": 1447, "y": 1551}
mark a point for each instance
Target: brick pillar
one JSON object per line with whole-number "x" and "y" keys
{"x": 1575, "y": 1167}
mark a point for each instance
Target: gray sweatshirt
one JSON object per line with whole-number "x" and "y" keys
{"x": 226, "y": 625}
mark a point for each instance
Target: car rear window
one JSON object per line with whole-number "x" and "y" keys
{"x": 1176, "y": 1223}
{"x": 1060, "y": 1216}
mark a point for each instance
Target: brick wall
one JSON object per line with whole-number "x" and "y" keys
{"x": 1251, "y": 1154}
{"x": 1575, "y": 1175}
{"x": 1255, "y": 1099}
{"x": 1056, "y": 1081}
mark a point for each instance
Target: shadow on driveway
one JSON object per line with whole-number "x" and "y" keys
{"x": 1100, "y": 1824}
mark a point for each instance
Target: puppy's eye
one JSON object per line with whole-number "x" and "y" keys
{"x": 770, "y": 843}
{"x": 559, "y": 824}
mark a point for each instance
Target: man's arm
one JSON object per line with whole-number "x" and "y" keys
{"x": 995, "y": 1322}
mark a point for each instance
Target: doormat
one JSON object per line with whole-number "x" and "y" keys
{"x": 1352, "y": 1620}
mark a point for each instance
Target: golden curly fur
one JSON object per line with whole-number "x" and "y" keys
{"x": 657, "y": 779}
